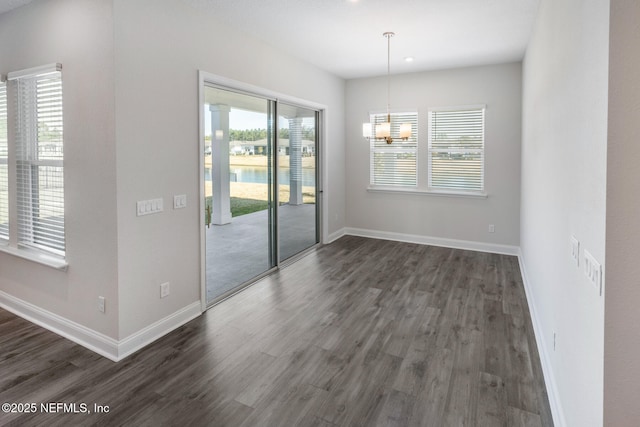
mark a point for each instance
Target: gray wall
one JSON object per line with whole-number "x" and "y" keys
{"x": 564, "y": 148}
{"x": 497, "y": 86}
{"x": 78, "y": 34}
{"x": 159, "y": 46}
{"x": 622, "y": 315}
{"x": 131, "y": 133}
{"x": 130, "y": 75}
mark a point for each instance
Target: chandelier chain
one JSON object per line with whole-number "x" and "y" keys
{"x": 388, "y": 35}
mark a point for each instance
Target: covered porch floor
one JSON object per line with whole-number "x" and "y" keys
{"x": 239, "y": 251}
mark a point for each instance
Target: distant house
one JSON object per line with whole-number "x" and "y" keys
{"x": 259, "y": 147}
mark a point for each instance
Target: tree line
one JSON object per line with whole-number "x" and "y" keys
{"x": 258, "y": 134}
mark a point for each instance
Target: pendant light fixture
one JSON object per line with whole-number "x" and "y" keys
{"x": 383, "y": 130}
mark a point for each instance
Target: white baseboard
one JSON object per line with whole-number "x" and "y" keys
{"x": 334, "y": 236}
{"x": 95, "y": 341}
{"x": 118, "y": 350}
{"x": 543, "y": 351}
{"x": 146, "y": 336}
{"x": 434, "y": 241}
{"x": 549, "y": 378}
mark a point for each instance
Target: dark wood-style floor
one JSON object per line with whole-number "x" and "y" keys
{"x": 361, "y": 332}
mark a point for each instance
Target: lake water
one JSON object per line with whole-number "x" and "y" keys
{"x": 259, "y": 175}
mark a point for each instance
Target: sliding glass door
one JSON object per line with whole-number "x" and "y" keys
{"x": 297, "y": 171}
{"x": 239, "y": 178}
{"x": 260, "y": 199}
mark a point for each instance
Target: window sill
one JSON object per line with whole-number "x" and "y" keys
{"x": 40, "y": 258}
{"x": 404, "y": 190}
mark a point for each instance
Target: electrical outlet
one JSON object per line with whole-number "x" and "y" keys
{"x": 575, "y": 250}
{"x": 593, "y": 271}
{"x": 164, "y": 290}
{"x": 492, "y": 228}
{"x": 101, "y": 303}
{"x": 554, "y": 341}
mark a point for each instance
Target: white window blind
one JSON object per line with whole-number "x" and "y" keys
{"x": 456, "y": 149}
{"x": 4, "y": 155}
{"x": 39, "y": 161}
{"x": 394, "y": 164}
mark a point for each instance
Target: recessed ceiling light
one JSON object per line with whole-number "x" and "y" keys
{"x": 408, "y": 59}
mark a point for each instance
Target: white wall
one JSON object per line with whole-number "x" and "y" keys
{"x": 160, "y": 46}
{"x": 79, "y": 35}
{"x": 622, "y": 316}
{"x": 130, "y": 75}
{"x": 564, "y": 152}
{"x": 497, "y": 86}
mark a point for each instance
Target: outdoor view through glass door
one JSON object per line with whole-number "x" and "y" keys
{"x": 239, "y": 208}
{"x": 297, "y": 207}
{"x": 245, "y": 160}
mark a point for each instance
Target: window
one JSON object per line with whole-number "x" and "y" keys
{"x": 39, "y": 179}
{"x": 456, "y": 149}
{"x": 395, "y": 164}
{"x": 4, "y": 168}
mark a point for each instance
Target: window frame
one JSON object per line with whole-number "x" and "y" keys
{"x": 377, "y": 146}
{"x": 4, "y": 161}
{"x": 423, "y": 176}
{"x": 35, "y": 105}
{"x": 482, "y": 151}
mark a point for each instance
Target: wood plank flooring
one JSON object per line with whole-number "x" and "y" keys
{"x": 361, "y": 332}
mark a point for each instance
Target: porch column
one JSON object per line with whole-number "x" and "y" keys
{"x": 295, "y": 161}
{"x": 221, "y": 201}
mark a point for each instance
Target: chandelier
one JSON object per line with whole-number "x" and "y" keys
{"x": 383, "y": 130}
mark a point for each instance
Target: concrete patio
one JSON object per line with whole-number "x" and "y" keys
{"x": 239, "y": 251}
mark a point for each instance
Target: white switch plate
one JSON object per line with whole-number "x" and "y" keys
{"x": 180, "y": 201}
{"x": 101, "y": 303}
{"x": 148, "y": 207}
{"x": 593, "y": 271}
{"x": 164, "y": 290}
{"x": 575, "y": 250}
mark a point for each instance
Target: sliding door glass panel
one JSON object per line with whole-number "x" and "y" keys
{"x": 239, "y": 182}
{"x": 297, "y": 177}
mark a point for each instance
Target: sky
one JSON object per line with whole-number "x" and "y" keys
{"x": 239, "y": 120}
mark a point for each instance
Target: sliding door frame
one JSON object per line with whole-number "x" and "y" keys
{"x": 209, "y": 79}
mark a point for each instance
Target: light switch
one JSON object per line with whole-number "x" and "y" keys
{"x": 180, "y": 201}
{"x": 575, "y": 250}
{"x": 593, "y": 271}
{"x": 147, "y": 207}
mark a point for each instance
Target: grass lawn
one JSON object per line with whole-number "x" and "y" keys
{"x": 240, "y": 206}
{"x": 246, "y": 206}
{"x": 253, "y": 193}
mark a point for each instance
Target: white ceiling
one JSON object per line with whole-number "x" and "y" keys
{"x": 6, "y": 5}
{"x": 345, "y": 36}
